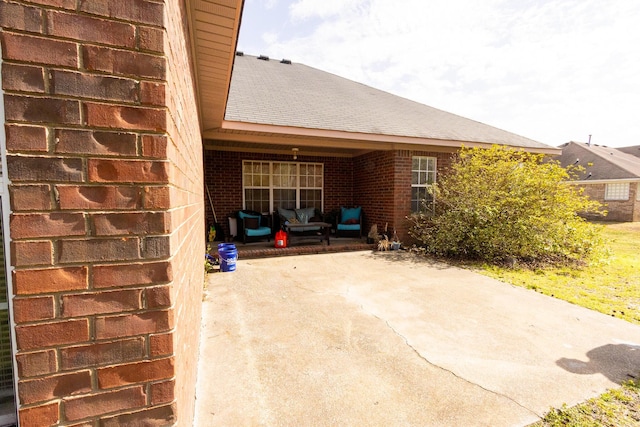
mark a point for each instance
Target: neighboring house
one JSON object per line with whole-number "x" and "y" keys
{"x": 633, "y": 150}
{"x": 105, "y": 106}
{"x": 610, "y": 176}
{"x": 369, "y": 148}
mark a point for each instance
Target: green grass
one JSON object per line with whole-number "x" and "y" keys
{"x": 615, "y": 408}
{"x": 611, "y": 287}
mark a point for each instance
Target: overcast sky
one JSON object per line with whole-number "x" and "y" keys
{"x": 553, "y": 71}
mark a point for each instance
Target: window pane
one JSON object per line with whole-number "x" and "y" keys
{"x": 617, "y": 191}
{"x": 283, "y": 198}
{"x": 311, "y": 199}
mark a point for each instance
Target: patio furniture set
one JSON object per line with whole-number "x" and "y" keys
{"x": 299, "y": 224}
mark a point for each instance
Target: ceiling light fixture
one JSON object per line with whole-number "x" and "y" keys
{"x": 295, "y": 153}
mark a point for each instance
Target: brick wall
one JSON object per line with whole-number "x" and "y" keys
{"x": 223, "y": 172}
{"x": 382, "y": 185}
{"x": 104, "y": 159}
{"x": 617, "y": 210}
{"x": 379, "y": 181}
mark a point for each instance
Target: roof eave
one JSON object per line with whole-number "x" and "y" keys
{"x": 244, "y": 131}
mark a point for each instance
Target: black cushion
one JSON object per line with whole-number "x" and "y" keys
{"x": 251, "y": 223}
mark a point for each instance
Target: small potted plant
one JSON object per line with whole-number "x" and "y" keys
{"x": 373, "y": 237}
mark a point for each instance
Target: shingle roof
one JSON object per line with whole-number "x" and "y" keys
{"x": 633, "y": 150}
{"x": 600, "y": 162}
{"x": 273, "y": 93}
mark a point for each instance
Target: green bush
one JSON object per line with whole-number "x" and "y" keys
{"x": 501, "y": 205}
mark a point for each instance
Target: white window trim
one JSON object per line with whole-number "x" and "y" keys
{"x": 612, "y": 191}
{"x": 435, "y": 175}
{"x": 271, "y": 187}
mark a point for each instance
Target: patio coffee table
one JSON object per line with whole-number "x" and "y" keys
{"x": 325, "y": 230}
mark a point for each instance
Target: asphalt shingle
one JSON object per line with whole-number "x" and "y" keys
{"x": 273, "y": 93}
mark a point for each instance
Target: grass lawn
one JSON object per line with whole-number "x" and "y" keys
{"x": 612, "y": 288}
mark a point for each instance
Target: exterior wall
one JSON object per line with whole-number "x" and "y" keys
{"x": 103, "y": 155}
{"x": 223, "y": 172}
{"x": 618, "y": 210}
{"x": 382, "y": 185}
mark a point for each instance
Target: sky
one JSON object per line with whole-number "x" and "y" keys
{"x": 553, "y": 71}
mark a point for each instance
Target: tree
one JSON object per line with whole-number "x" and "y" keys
{"x": 503, "y": 205}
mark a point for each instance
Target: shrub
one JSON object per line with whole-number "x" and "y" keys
{"x": 501, "y": 205}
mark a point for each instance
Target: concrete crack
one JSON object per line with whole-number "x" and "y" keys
{"x": 396, "y": 332}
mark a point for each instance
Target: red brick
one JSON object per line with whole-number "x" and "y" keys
{"x": 157, "y": 198}
{"x": 31, "y": 253}
{"x": 63, "y": 4}
{"x": 138, "y": 372}
{"x": 22, "y": 169}
{"x": 41, "y": 416}
{"x": 154, "y": 146}
{"x": 36, "y": 363}
{"x": 20, "y": 17}
{"x": 101, "y": 303}
{"x": 106, "y": 276}
{"x": 162, "y": 392}
{"x": 151, "y": 39}
{"x": 47, "y": 224}
{"x": 162, "y": 416}
{"x": 42, "y": 110}
{"x": 31, "y": 337}
{"x": 124, "y": 63}
{"x": 121, "y": 117}
{"x": 91, "y": 250}
{"x": 22, "y": 78}
{"x": 26, "y": 138}
{"x": 93, "y": 86}
{"x": 30, "y": 282}
{"x": 152, "y": 93}
{"x": 39, "y": 50}
{"x": 32, "y": 309}
{"x": 103, "y": 170}
{"x": 129, "y": 10}
{"x": 108, "y": 353}
{"x": 88, "y": 142}
{"x": 30, "y": 198}
{"x": 103, "y": 403}
{"x": 160, "y": 345}
{"x": 99, "y": 197}
{"x": 156, "y": 247}
{"x": 51, "y": 387}
{"x": 114, "y": 224}
{"x": 133, "y": 324}
{"x": 90, "y": 29}
{"x": 158, "y": 296}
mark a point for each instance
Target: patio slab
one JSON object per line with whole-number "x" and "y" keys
{"x": 381, "y": 339}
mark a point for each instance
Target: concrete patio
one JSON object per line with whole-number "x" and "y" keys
{"x": 382, "y": 339}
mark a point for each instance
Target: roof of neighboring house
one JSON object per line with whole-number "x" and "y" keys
{"x": 269, "y": 92}
{"x": 633, "y": 150}
{"x": 600, "y": 162}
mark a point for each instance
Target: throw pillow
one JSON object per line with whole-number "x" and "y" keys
{"x": 352, "y": 221}
{"x": 251, "y": 223}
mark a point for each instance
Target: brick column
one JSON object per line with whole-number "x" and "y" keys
{"x": 104, "y": 158}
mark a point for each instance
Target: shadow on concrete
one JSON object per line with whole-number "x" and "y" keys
{"x": 618, "y": 362}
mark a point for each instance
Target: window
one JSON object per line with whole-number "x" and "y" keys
{"x": 423, "y": 175}
{"x": 289, "y": 185}
{"x": 617, "y": 191}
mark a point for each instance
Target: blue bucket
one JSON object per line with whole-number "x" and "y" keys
{"x": 228, "y": 256}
